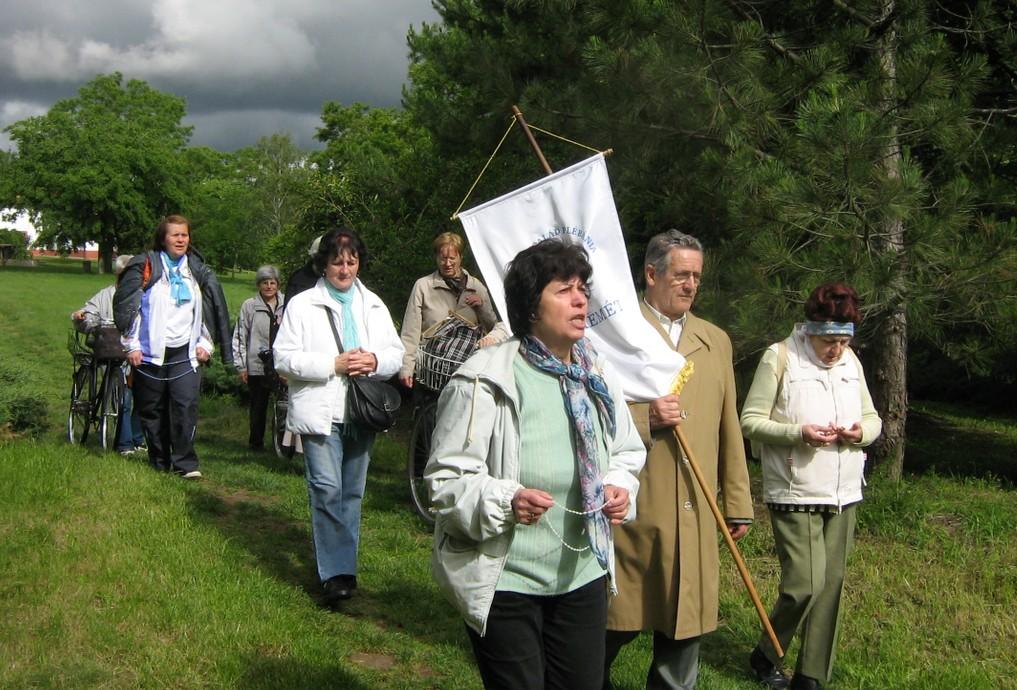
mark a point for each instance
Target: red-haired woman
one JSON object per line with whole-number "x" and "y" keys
{"x": 809, "y": 414}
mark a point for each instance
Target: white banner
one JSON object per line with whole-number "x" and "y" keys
{"x": 577, "y": 203}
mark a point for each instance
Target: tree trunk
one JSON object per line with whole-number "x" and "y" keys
{"x": 891, "y": 341}
{"x": 105, "y": 255}
{"x": 889, "y": 391}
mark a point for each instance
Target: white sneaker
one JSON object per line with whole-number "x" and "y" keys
{"x": 193, "y": 474}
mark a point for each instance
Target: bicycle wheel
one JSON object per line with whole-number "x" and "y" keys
{"x": 416, "y": 459}
{"x": 79, "y": 418}
{"x": 112, "y": 400}
{"x": 280, "y": 406}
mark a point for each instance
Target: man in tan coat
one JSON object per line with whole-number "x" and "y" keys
{"x": 667, "y": 559}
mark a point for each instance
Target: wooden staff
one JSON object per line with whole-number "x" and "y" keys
{"x": 739, "y": 561}
{"x": 529, "y": 137}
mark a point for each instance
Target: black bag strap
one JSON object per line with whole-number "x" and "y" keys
{"x": 335, "y": 332}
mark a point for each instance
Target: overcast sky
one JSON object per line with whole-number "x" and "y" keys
{"x": 247, "y": 68}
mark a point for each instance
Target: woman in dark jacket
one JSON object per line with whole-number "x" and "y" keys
{"x": 166, "y": 305}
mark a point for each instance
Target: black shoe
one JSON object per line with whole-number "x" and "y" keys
{"x": 800, "y": 682}
{"x": 339, "y": 588}
{"x": 766, "y": 671}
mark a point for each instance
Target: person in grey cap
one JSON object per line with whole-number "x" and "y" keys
{"x": 252, "y": 348}
{"x": 98, "y": 312}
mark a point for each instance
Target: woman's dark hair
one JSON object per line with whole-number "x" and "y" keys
{"x": 834, "y": 302}
{"x": 335, "y": 242}
{"x": 159, "y": 242}
{"x": 531, "y": 271}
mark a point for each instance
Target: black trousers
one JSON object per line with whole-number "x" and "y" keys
{"x": 259, "y": 388}
{"x": 167, "y": 400}
{"x": 536, "y": 642}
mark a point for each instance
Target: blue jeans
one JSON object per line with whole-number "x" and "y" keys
{"x": 130, "y": 435}
{"x": 335, "y": 467}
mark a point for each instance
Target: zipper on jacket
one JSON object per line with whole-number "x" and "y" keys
{"x": 473, "y": 404}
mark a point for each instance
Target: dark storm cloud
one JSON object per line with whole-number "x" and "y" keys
{"x": 248, "y": 68}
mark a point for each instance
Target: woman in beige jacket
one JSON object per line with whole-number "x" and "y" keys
{"x": 449, "y": 291}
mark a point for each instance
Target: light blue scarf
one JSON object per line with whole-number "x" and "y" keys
{"x": 179, "y": 290}
{"x": 350, "y": 339}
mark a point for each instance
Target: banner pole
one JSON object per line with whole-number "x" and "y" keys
{"x": 533, "y": 142}
{"x": 722, "y": 525}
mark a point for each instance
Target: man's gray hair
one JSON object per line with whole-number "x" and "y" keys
{"x": 121, "y": 263}
{"x": 658, "y": 249}
{"x": 266, "y": 273}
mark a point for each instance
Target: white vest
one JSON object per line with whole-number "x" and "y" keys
{"x": 810, "y": 394}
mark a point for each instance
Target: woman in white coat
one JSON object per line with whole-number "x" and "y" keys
{"x": 308, "y": 353}
{"x": 534, "y": 457}
{"x": 809, "y": 413}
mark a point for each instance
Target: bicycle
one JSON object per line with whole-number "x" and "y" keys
{"x": 279, "y": 401}
{"x": 97, "y": 385}
{"x": 280, "y": 408}
{"x": 431, "y": 372}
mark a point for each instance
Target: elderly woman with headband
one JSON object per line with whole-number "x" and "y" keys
{"x": 809, "y": 414}
{"x": 252, "y": 348}
{"x": 535, "y": 456}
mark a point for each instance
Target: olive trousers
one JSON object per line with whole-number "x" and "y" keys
{"x": 813, "y": 549}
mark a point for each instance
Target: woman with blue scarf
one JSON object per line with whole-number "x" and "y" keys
{"x": 809, "y": 414}
{"x": 330, "y": 332}
{"x": 160, "y": 297}
{"x": 534, "y": 457}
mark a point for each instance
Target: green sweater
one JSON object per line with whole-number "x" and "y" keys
{"x": 538, "y": 562}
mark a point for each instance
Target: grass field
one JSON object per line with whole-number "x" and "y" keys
{"x": 114, "y": 576}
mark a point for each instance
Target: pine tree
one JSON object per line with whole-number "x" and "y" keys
{"x": 870, "y": 142}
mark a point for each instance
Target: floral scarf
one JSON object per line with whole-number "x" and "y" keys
{"x": 579, "y": 384}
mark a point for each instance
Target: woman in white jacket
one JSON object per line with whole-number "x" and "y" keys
{"x": 336, "y": 452}
{"x": 534, "y": 457}
{"x": 810, "y": 414}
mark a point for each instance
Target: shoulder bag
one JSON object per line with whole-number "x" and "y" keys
{"x": 370, "y": 403}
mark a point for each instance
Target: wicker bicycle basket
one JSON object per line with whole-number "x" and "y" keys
{"x": 77, "y": 344}
{"x": 434, "y": 371}
{"x": 442, "y": 350}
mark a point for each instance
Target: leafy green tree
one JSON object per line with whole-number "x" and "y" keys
{"x": 17, "y": 240}
{"x": 276, "y": 170}
{"x": 102, "y": 166}
{"x": 242, "y": 201}
{"x": 383, "y": 177}
{"x": 803, "y": 141}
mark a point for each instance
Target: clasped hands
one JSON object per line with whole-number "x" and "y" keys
{"x": 529, "y": 504}
{"x": 356, "y": 362}
{"x": 820, "y": 436}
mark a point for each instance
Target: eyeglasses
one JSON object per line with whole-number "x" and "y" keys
{"x": 687, "y": 276}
